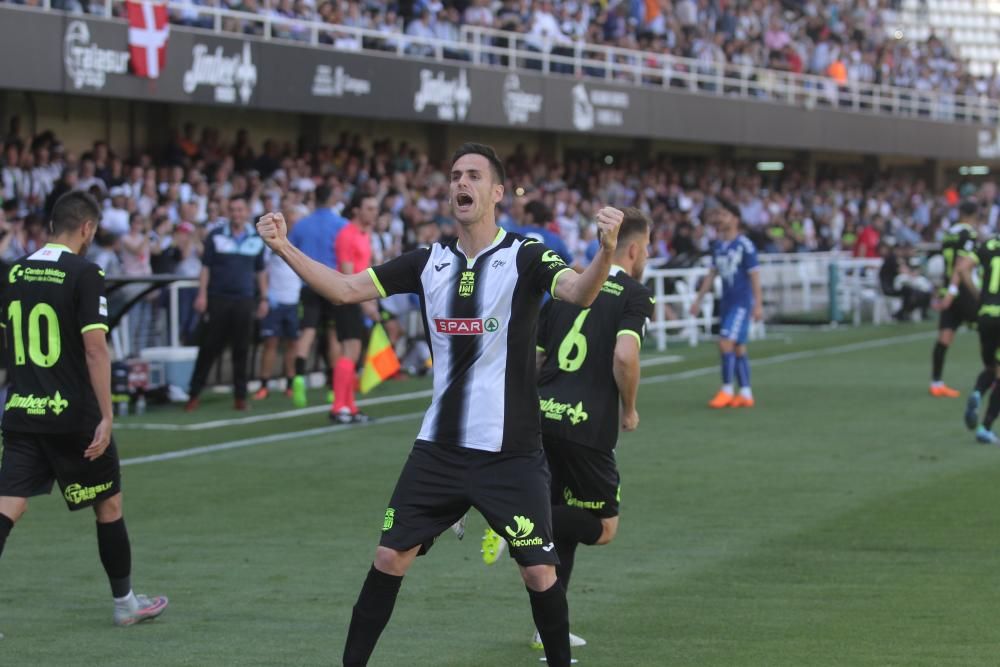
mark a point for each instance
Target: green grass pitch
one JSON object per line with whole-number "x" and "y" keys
{"x": 849, "y": 519}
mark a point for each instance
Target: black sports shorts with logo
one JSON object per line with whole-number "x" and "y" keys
{"x": 963, "y": 310}
{"x": 583, "y": 477}
{"x": 31, "y": 462}
{"x": 439, "y": 483}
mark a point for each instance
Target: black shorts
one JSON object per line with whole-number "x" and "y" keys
{"x": 349, "y": 321}
{"x": 31, "y": 462}
{"x": 439, "y": 484}
{"x": 989, "y": 340}
{"x": 963, "y": 310}
{"x": 316, "y": 312}
{"x": 583, "y": 477}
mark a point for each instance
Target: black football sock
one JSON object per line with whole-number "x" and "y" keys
{"x": 993, "y": 410}
{"x": 5, "y": 526}
{"x": 371, "y": 614}
{"x": 572, "y": 526}
{"x": 551, "y": 614}
{"x": 985, "y": 380}
{"x": 938, "y": 361}
{"x": 300, "y": 365}
{"x": 116, "y": 556}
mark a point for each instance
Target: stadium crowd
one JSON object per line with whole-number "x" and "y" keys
{"x": 845, "y": 40}
{"x": 158, "y": 209}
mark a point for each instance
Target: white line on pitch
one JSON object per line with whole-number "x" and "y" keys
{"x": 264, "y": 439}
{"x": 697, "y": 372}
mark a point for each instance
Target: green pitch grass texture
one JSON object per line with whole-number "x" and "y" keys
{"x": 849, "y": 519}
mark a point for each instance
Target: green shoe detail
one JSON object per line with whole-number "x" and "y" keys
{"x": 299, "y": 398}
{"x": 493, "y": 546}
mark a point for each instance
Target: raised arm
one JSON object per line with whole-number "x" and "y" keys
{"x": 332, "y": 285}
{"x": 582, "y": 288}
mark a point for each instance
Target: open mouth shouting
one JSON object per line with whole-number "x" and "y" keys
{"x": 463, "y": 202}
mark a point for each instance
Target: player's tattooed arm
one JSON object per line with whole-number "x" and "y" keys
{"x": 332, "y": 285}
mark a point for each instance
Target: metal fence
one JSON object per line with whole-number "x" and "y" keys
{"x": 581, "y": 60}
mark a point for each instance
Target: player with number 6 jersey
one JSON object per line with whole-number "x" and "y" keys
{"x": 587, "y": 386}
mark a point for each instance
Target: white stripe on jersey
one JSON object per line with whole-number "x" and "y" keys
{"x": 482, "y": 426}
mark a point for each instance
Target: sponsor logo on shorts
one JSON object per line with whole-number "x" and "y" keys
{"x": 582, "y": 504}
{"x": 77, "y": 494}
{"x": 519, "y": 534}
{"x": 554, "y": 410}
{"x": 390, "y": 514}
{"x": 37, "y": 405}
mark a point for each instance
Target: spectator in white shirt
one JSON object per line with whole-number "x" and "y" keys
{"x": 115, "y": 219}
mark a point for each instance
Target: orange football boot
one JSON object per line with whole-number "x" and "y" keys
{"x": 944, "y": 391}
{"x": 721, "y": 400}
{"x": 741, "y": 402}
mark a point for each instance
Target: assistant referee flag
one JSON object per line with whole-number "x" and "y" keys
{"x": 380, "y": 362}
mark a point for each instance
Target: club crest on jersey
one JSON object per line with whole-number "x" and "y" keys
{"x": 464, "y": 326}
{"x": 467, "y": 283}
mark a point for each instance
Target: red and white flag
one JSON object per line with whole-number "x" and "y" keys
{"x": 147, "y": 37}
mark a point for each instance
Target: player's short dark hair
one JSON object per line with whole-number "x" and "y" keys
{"x": 635, "y": 225}
{"x": 469, "y": 148}
{"x": 72, "y": 210}
{"x": 968, "y": 208}
{"x": 724, "y": 203}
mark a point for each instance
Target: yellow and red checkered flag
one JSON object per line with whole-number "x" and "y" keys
{"x": 380, "y": 362}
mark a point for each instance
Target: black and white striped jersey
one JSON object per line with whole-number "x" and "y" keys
{"x": 481, "y": 319}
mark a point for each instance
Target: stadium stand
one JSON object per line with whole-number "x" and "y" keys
{"x": 847, "y": 41}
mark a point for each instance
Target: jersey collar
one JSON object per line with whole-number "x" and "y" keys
{"x": 615, "y": 270}
{"x": 57, "y": 246}
{"x": 501, "y": 234}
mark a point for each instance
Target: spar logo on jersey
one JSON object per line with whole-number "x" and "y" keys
{"x": 465, "y": 326}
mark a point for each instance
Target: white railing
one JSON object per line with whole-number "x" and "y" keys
{"x": 791, "y": 283}
{"x": 497, "y": 48}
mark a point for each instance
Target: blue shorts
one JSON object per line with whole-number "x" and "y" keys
{"x": 282, "y": 321}
{"x": 735, "y": 324}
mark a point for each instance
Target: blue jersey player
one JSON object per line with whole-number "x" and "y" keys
{"x": 734, "y": 258}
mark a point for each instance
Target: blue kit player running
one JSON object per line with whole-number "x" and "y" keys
{"x": 734, "y": 258}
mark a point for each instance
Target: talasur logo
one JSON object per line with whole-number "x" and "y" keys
{"x": 88, "y": 64}
{"x": 523, "y": 526}
{"x": 76, "y": 494}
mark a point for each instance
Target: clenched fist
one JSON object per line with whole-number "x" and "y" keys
{"x": 272, "y": 228}
{"x": 608, "y": 221}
